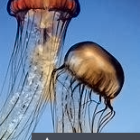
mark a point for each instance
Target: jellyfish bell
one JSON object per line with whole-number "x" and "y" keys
{"x": 41, "y": 30}
{"x": 70, "y": 6}
{"x": 88, "y": 68}
{"x": 98, "y": 69}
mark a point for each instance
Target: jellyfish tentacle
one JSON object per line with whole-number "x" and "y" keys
{"x": 109, "y": 116}
{"x": 95, "y": 114}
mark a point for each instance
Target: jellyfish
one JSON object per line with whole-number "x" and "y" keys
{"x": 41, "y": 30}
{"x": 84, "y": 87}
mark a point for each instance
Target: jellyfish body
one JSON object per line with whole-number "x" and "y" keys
{"x": 88, "y": 80}
{"x": 41, "y": 30}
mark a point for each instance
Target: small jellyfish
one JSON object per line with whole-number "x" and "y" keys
{"x": 41, "y": 30}
{"x": 84, "y": 88}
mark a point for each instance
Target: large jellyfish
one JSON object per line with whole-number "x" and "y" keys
{"x": 41, "y": 30}
{"x": 84, "y": 88}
